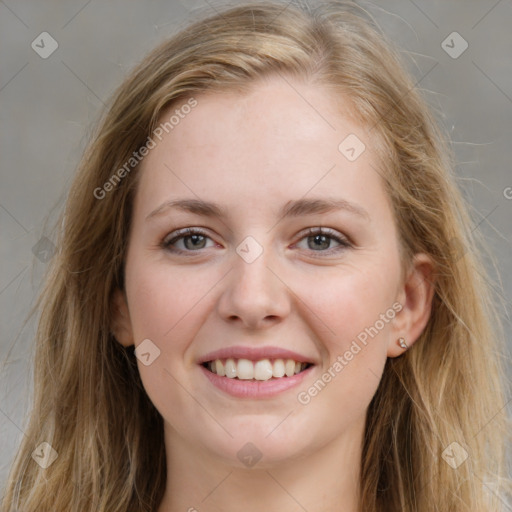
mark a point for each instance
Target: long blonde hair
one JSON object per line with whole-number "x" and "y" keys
{"x": 89, "y": 402}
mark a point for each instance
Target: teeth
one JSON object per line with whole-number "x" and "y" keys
{"x": 244, "y": 369}
{"x": 219, "y": 368}
{"x": 290, "y": 367}
{"x": 278, "y": 368}
{"x": 230, "y": 368}
{"x": 263, "y": 370}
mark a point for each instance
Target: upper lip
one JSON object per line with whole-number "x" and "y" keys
{"x": 254, "y": 354}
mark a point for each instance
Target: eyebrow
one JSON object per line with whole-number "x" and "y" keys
{"x": 294, "y": 208}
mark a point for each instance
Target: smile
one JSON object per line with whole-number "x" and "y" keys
{"x": 262, "y": 370}
{"x": 242, "y": 378}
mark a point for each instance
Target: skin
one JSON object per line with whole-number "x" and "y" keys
{"x": 251, "y": 154}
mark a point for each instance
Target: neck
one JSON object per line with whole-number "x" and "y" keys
{"x": 324, "y": 480}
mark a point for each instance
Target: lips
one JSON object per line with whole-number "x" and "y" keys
{"x": 258, "y": 363}
{"x": 250, "y": 372}
{"x": 255, "y": 389}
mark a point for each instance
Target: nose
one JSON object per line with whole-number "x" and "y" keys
{"x": 254, "y": 295}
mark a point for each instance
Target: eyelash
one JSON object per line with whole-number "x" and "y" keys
{"x": 186, "y": 232}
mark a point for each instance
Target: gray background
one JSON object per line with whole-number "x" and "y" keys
{"x": 48, "y": 106}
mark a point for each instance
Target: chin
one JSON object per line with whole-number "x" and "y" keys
{"x": 255, "y": 448}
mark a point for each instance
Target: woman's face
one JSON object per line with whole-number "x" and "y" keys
{"x": 250, "y": 287}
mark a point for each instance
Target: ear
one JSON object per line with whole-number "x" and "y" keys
{"x": 415, "y": 295}
{"x": 121, "y": 325}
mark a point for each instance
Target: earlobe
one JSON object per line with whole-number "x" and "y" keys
{"x": 416, "y": 297}
{"x": 121, "y": 325}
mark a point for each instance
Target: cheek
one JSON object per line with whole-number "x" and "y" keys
{"x": 349, "y": 306}
{"x": 165, "y": 305}
{"x": 348, "y": 300}
{"x": 164, "y": 300}
{"x": 348, "y": 323}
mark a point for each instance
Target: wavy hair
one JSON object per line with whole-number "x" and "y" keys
{"x": 89, "y": 403}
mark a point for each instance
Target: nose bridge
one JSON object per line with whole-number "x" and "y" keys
{"x": 251, "y": 267}
{"x": 253, "y": 293}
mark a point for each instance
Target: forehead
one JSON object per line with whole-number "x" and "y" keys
{"x": 280, "y": 139}
{"x": 275, "y": 111}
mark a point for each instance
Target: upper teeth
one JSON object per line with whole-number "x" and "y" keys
{"x": 263, "y": 369}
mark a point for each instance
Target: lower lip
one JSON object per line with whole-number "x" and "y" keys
{"x": 255, "y": 388}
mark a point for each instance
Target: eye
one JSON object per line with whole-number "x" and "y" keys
{"x": 317, "y": 239}
{"x": 186, "y": 240}
{"x": 321, "y": 240}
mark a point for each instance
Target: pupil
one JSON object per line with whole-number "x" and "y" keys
{"x": 323, "y": 242}
{"x": 196, "y": 241}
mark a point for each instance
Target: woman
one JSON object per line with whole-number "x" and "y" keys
{"x": 268, "y": 217}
